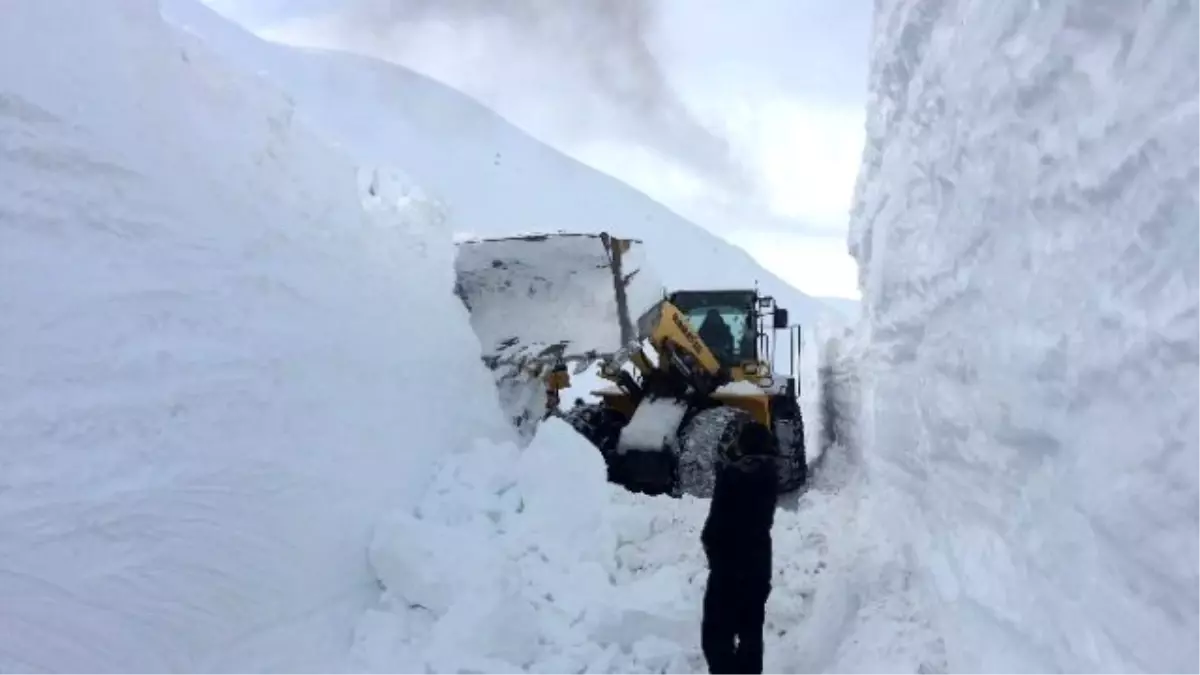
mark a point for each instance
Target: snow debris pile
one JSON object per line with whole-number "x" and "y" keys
{"x": 529, "y": 560}
{"x": 1026, "y": 226}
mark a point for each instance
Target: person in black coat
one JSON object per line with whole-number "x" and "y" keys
{"x": 737, "y": 542}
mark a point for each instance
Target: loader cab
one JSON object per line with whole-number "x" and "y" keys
{"x": 753, "y": 321}
{"x": 725, "y": 320}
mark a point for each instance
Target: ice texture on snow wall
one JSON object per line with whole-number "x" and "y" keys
{"x": 1026, "y": 225}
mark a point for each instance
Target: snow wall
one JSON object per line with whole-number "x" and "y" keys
{"x": 225, "y": 352}
{"x": 1026, "y": 228}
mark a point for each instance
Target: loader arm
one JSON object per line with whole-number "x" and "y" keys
{"x": 682, "y": 357}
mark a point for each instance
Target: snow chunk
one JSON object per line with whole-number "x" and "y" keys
{"x": 740, "y": 388}
{"x": 654, "y": 425}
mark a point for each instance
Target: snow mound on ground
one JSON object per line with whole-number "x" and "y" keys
{"x": 1026, "y": 225}
{"x": 543, "y": 566}
{"x": 215, "y": 346}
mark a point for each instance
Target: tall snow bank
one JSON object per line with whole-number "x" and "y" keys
{"x": 217, "y": 369}
{"x": 1026, "y": 226}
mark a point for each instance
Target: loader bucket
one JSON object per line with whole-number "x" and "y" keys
{"x": 535, "y": 299}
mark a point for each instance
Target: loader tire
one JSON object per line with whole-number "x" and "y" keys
{"x": 710, "y": 434}
{"x": 792, "y": 463}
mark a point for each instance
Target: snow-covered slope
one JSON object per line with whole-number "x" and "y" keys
{"x": 215, "y": 357}
{"x": 1026, "y": 225}
{"x": 493, "y": 178}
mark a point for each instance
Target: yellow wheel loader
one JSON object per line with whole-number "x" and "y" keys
{"x": 685, "y": 379}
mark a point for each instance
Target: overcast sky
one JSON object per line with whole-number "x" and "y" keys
{"x": 746, "y": 117}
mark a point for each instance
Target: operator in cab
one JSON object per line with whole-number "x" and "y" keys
{"x": 716, "y": 334}
{"x": 737, "y": 543}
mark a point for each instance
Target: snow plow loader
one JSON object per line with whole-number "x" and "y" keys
{"x": 684, "y": 379}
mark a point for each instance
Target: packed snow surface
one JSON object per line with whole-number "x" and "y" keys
{"x": 1026, "y": 227}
